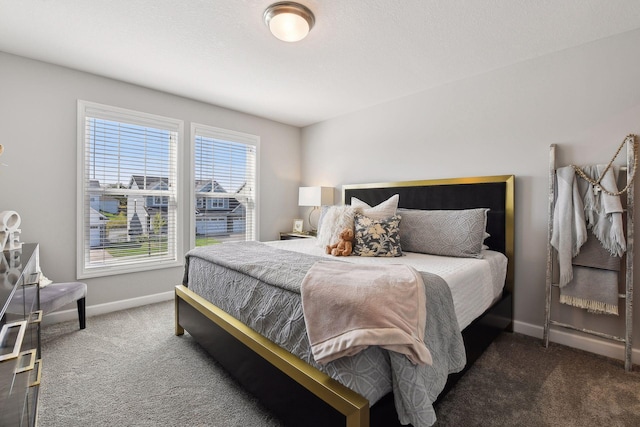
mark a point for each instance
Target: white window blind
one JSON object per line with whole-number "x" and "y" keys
{"x": 127, "y": 197}
{"x": 225, "y": 185}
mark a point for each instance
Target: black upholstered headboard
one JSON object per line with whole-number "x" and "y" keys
{"x": 493, "y": 192}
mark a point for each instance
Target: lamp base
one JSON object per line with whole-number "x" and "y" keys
{"x": 313, "y": 230}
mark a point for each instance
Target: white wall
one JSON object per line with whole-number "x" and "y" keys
{"x": 585, "y": 99}
{"x": 38, "y": 123}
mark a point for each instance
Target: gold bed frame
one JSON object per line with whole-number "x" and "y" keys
{"x": 352, "y": 405}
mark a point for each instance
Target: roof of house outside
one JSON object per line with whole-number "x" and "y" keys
{"x": 151, "y": 181}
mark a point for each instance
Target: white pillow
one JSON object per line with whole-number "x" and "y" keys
{"x": 384, "y": 210}
{"x": 335, "y": 219}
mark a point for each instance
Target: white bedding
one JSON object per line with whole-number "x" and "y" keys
{"x": 475, "y": 283}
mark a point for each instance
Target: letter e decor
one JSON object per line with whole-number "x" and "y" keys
{"x": 10, "y": 231}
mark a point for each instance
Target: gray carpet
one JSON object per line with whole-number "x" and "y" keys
{"x": 128, "y": 369}
{"x": 518, "y": 382}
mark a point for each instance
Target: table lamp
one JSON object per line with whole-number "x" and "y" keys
{"x": 316, "y": 197}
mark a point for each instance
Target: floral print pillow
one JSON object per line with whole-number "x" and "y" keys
{"x": 377, "y": 237}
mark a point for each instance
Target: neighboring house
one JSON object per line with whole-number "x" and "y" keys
{"x": 217, "y": 215}
{"x": 214, "y": 215}
{"x": 98, "y": 225}
{"x": 100, "y": 202}
{"x": 239, "y": 218}
{"x": 141, "y": 208}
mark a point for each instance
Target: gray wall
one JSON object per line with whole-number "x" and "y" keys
{"x": 585, "y": 99}
{"x": 38, "y": 122}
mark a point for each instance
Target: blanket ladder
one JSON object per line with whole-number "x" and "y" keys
{"x": 627, "y": 296}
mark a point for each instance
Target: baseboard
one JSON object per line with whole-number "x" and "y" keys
{"x": 94, "y": 310}
{"x": 580, "y": 341}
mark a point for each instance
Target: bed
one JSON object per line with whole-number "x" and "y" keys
{"x": 299, "y": 391}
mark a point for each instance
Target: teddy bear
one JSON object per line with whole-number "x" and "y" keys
{"x": 344, "y": 246}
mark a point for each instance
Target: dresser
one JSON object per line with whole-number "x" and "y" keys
{"x": 20, "y": 319}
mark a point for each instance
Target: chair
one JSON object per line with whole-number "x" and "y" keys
{"x": 55, "y": 296}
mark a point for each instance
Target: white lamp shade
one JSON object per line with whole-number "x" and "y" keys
{"x": 315, "y": 196}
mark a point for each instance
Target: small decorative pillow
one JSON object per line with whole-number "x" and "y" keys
{"x": 383, "y": 210}
{"x": 377, "y": 237}
{"x": 456, "y": 233}
{"x": 335, "y": 219}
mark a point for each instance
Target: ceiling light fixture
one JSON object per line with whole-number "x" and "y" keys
{"x": 289, "y": 21}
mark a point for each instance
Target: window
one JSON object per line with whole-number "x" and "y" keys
{"x": 128, "y": 205}
{"x": 218, "y": 203}
{"x": 224, "y": 185}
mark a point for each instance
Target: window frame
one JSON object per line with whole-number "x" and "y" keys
{"x": 175, "y": 258}
{"x": 198, "y": 129}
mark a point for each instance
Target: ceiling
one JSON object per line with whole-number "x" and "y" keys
{"x": 360, "y": 52}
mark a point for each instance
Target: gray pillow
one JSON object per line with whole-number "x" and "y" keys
{"x": 323, "y": 212}
{"x": 456, "y": 233}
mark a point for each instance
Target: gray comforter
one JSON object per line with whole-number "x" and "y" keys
{"x": 249, "y": 279}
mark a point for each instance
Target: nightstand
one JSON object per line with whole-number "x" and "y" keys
{"x": 288, "y": 235}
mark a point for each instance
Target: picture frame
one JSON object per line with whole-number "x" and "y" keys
{"x": 297, "y": 225}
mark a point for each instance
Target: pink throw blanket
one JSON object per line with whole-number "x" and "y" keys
{"x": 349, "y": 307}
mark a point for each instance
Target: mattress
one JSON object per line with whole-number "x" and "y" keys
{"x": 475, "y": 283}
